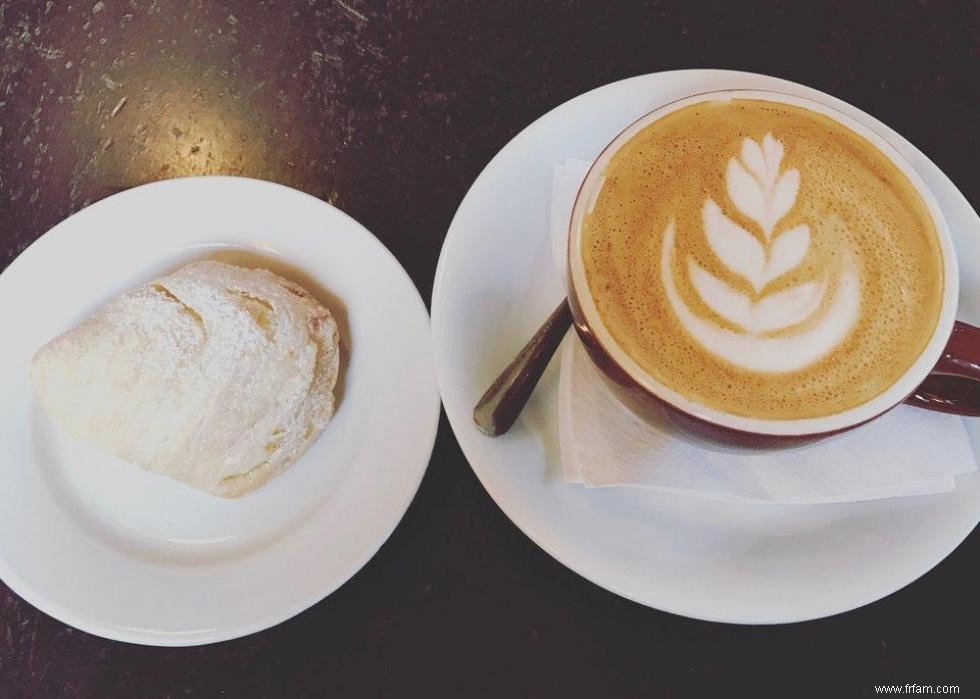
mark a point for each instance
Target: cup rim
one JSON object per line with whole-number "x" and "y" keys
{"x": 834, "y": 422}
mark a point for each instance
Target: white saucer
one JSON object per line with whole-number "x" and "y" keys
{"x": 698, "y": 557}
{"x": 133, "y": 556}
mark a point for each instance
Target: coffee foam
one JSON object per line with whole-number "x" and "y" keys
{"x": 763, "y": 259}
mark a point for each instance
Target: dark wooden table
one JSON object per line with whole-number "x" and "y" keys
{"x": 389, "y": 111}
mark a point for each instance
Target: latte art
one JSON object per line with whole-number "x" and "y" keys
{"x": 762, "y": 259}
{"x": 764, "y": 195}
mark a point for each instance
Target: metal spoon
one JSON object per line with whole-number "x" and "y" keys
{"x": 507, "y": 396}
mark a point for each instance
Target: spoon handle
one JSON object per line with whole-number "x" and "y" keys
{"x": 506, "y": 397}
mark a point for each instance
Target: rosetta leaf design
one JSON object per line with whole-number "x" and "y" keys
{"x": 764, "y": 195}
{"x": 787, "y": 252}
{"x": 773, "y": 151}
{"x": 745, "y": 192}
{"x": 782, "y": 198}
{"x": 756, "y": 186}
{"x": 772, "y": 312}
{"x": 738, "y": 249}
{"x": 730, "y": 304}
{"x": 754, "y": 159}
{"x": 785, "y": 308}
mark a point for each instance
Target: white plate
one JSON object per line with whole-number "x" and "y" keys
{"x": 133, "y": 556}
{"x": 703, "y": 558}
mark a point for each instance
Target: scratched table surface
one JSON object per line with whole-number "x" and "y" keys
{"x": 389, "y": 111}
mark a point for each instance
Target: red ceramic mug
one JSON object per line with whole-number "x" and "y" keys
{"x": 944, "y": 377}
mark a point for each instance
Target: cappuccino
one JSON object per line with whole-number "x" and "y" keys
{"x": 763, "y": 259}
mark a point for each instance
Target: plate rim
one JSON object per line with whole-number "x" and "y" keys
{"x": 91, "y": 624}
{"x": 572, "y": 561}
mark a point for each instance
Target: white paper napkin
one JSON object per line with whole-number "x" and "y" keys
{"x": 604, "y": 444}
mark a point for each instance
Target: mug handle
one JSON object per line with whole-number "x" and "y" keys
{"x": 953, "y": 386}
